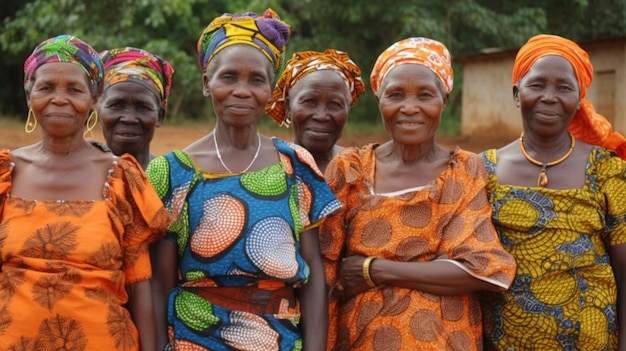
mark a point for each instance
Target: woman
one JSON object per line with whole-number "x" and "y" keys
{"x": 75, "y": 220}
{"x": 134, "y": 100}
{"x": 414, "y": 240}
{"x": 557, "y": 195}
{"x": 241, "y": 265}
{"x": 316, "y": 92}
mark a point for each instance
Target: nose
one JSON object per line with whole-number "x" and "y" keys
{"x": 549, "y": 94}
{"x": 128, "y": 117}
{"x": 321, "y": 112}
{"x": 60, "y": 96}
{"x": 411, "y": 106}
{"x": 241, "y": 89}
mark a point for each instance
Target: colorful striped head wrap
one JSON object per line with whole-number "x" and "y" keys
{"x": 300, "y": 65}
{"x": 266, "y": 33}
{"x": 422, "y": 51}
{"x": 139, "y": 66}
{"x": 66, "y": 48}
{"x": 586, "y": 125}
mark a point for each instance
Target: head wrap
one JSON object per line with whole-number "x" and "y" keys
{"x": 422, "y": 51}
{"x": 66, "y": 48}
{"x": 139, "y": 66}
{"x": 586, "y": 125}
{"x": 300, "y": 65}
{"x": 267, "y": 33}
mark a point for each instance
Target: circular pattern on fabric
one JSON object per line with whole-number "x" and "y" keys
{"x": 416, "y": 216}
{"x": 450, "y": 226}
{"x": 376, "y": 233}
{"x": 326, "y": 240}
{"x": 479, "y": 201}
{"x": 367, "y": 313}
{"x": 247, "y": 331}
{"x": 534, "y": 206}
{"x": 272, "y": 248}
{"x": 265, "y": 182}
{"x": 458, "y": 341}
{"x": 451, "y": 191}
{"x": 474, "y": 166}
{"x": 595, "y": 325}
{"x": 452, "y": 308}
{"x": 425, "y": 325}
{"x": 411, "y": 248}
{"x": 555, "y": 290}
{"x": 223, "y": 218}
{"x": 483, "y": 230}
{"x": 388, "y": 338}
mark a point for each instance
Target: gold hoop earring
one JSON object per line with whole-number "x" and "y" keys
{"x": 92, "y": 120}
{"x": 31, "y": 122}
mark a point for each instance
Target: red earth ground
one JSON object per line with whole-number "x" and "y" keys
{"x": 168, "y": 138}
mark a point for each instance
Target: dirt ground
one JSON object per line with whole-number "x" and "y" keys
{"x": 168, "y": 138}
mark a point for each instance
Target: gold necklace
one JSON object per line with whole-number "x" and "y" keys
{"x": 219, "y": 155}
{"x": 542, "y": 180}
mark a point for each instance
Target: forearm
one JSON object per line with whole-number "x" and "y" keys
{"x": 140, "y": 307}
{"x": 314, "y": 302}
{"x": 164, "y": 275}
{"x": 439, "y": 277}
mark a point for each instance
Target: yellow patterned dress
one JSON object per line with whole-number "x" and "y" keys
{"x": 564, "y": 293}
{"x": 66, "y": 264}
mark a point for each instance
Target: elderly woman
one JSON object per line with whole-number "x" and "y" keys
{"x": 558, "y": 205}
{"x": 75, "y": 220}
{"x": 414, "y": 240}
{"x": 133, "y": 102}
{"x": 241, "y": 265}
{"x": 316, "y": 92}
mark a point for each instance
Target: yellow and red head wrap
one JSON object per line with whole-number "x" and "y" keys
{"x": 586, "y": 125}
{"x": 300, "y": 65}
{"x": 422, "y": 51}
{"x": 267, "y": 33}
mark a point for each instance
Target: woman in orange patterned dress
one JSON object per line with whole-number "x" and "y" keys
{"x": 414, "y": 240}
{"x": 75, "y": 220}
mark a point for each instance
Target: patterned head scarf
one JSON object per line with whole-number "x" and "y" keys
{"x": 66, "y": 48}
{"x": 301, "y": 65}
{"x": 586, "y": 125}
{"x": 423, "y": 51}
{"x": 139, "y": 66}
{"x": 267, "y": 33}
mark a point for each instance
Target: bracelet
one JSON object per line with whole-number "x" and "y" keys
{"x": 366, "y": 271}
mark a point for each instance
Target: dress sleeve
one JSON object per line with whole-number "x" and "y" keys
{"x": 6, "y": 168}
{"x": 611, "y": 180}
{"x": 469, "y": 238}
{"x": 144, "y": 219}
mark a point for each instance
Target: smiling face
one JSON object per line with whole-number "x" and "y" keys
{"x": 60, "y": 99}
{"x": 130, "y": 113}
{"x": 239, "y": 82}
{"x": 319, "y": 105}
{"x": 548, "y": 95}
{"x": 411, "y": 100}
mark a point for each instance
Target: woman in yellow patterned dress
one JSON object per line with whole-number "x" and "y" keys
{"x": 75, "y": 220}
{"x": 558, "y": 197}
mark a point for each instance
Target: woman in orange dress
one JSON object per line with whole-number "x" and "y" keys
{"x": 75, "y": 220}
{"x": 414, "y": 240}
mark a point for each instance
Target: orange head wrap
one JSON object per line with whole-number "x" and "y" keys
{"x": 304, "y": 63}
{"x": 586, "y": 125}
{"x": 422, "y": 51}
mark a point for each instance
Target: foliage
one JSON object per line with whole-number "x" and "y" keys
{"x": 170, "y": 28}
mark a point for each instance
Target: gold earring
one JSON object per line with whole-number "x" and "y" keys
{"x": 31, "y": 122}
{"x": 92, "y": 120}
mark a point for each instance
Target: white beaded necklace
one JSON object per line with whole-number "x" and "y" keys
{"x": 219, "y": 155}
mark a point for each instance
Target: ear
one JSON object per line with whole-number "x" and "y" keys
{"x": 516, "y": 95}
{"x": 445, "y": 99}
{"x": 205, "y": 85}
{"x": 161, "y": 117}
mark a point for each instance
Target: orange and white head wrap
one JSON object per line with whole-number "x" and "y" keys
{"x": 586, "y": 125}
{"x": 419, "y": 50}
{"x": 300, "y": 65}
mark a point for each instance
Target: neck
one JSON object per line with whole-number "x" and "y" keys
{"x": 322, "y": 158}
{"x": 546, "y": 149}
{"x": 236, "y": 138}
{"x": 410, "y": 154}
{"x": 62, "y": 146}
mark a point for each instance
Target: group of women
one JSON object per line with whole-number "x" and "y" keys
{"x": 241, "y": 241}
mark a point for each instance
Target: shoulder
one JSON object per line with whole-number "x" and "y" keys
{"x": 468, "y": 163}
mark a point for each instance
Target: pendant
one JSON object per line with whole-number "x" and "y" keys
{"x": 542, "y": 180}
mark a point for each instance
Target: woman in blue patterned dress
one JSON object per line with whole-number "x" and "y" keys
{"x": 240, "y": 267}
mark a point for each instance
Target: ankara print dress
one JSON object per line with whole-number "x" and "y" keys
{"x": 564, "y": 293}
{"x": 448, "y": 219}
{"x": 237, "y": 237}
{"x": 66, "y": 264}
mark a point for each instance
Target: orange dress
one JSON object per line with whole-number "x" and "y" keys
{"x": 66, "y": 264}
{"x": 448, "y": 219}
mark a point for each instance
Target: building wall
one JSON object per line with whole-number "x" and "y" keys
{"x": 488, "y": 108}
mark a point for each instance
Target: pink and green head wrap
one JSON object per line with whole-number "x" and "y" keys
{"x": 66, "y": 48}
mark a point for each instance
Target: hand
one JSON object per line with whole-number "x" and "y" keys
{"x": 351, "y": 281}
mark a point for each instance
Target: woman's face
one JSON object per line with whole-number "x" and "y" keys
{"x": 60, "y": 99}
{"x": 411, "y": 100}
{"x": 239, "y": 83}
{"x": 319, "y": 105}
{"x": 548, "y": 95}
{"x": 130, "y": 113}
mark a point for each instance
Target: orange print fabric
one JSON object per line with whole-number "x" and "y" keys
{"x": 66, "y": 264}
{"x": 449, "y": 219}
